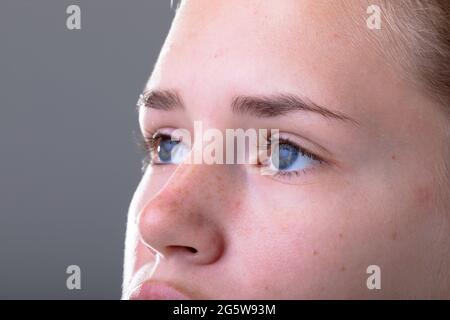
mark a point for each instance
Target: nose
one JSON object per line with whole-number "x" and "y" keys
{"x": 182, "y": 221}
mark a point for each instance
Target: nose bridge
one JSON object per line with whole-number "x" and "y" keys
{"x": 188, "y": 182}
{"x": 195, "y": 183}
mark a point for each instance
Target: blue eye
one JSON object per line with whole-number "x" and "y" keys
{"x": 289, "y": 157}
{"x": 168, "y": 151}
{"x": 165, "y": 149}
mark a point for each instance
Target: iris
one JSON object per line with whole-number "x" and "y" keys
{"x": 287, "y": 156}
{"x": 165, "y": 149}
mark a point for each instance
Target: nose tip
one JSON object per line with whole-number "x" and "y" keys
{"x": 180, "y": 229}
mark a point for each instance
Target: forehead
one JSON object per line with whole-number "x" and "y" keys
{"x": 230, "y": 47}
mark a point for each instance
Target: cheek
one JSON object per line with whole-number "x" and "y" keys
{"x": 290, "y": 248}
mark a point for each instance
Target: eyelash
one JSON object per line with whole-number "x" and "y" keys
{"x": 149, "y": 144}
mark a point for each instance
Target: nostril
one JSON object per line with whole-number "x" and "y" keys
{"x": 192, "y": 250}
{"x": 183, "y": 248}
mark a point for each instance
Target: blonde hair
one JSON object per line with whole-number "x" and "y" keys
{"x": 419, "y": 39}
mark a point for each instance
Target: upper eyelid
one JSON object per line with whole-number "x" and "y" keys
{"x": 305, "y": 150}
{"x": 323, "y": 155}
{"x": 283, "y": 139}
{"x": 162, "y": 130}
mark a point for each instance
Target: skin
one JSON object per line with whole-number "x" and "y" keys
{"x": 379, "y": 200}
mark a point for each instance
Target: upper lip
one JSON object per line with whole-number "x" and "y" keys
{"x": 154, "y": 290}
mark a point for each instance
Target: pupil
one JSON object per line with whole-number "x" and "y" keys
{"x": 165, "y": 149}
{"x": 287, "y": 156}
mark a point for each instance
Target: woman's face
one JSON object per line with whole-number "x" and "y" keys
{"x": 371, "y": 192}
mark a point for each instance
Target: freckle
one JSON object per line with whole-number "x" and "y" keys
{"x": 218, "y": 54}
{"x": 394, "y": 235}
{"x": 423, "y": 195}
{"x": 237, "y": 205}
{"x": 315, "y": 253}
{"x": 393, "y": 157}
{"x": 343, "y": 268}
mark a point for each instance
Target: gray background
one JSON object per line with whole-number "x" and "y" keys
{"x": 68, "y": 161}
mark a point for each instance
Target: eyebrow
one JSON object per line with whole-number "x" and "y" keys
{"x": 282, "y": 104}
{"x": 258, "y": 106}
{"x": 165, "y": 100}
